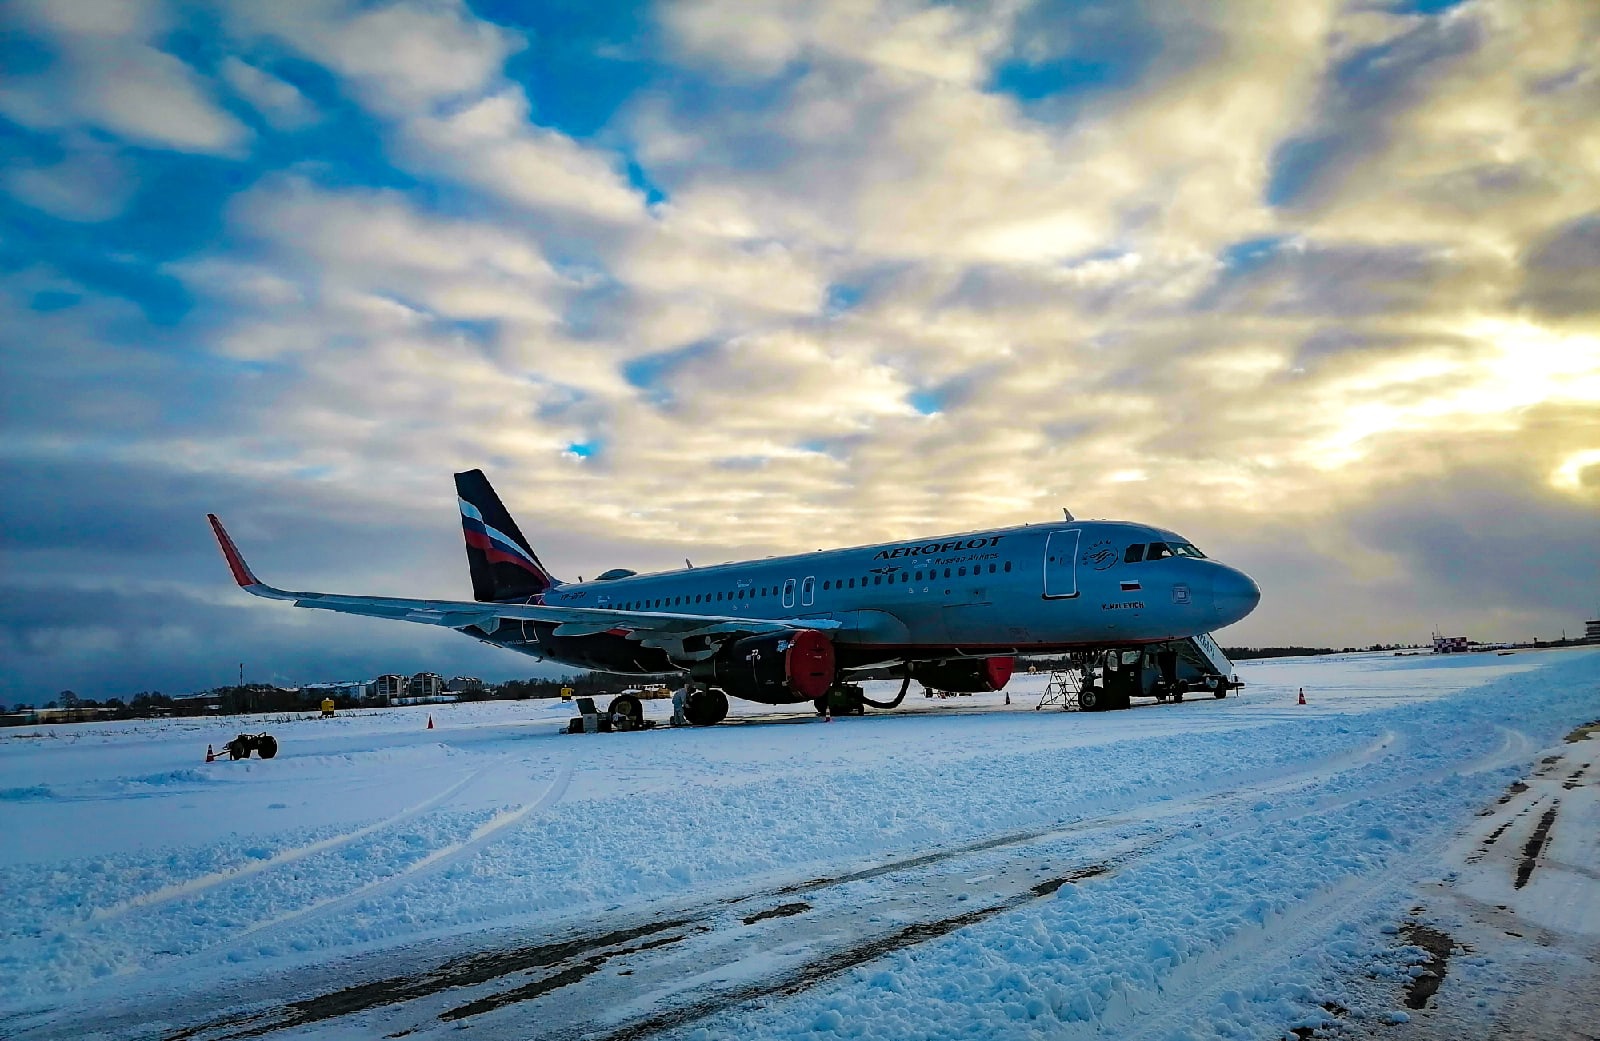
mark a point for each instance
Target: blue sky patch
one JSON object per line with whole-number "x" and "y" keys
{"x": 1252, "y": 253}
{"x": 1068, "y": 50}
{"x": 1296, "y": 164}
{"x": 1426, "y": 6}
{"x": 642, "y": 183}
{"x": 650, "y": 372}
{"x": 1031, "y": 82}
{"x": 583, "y": 61}
{"x": 54, "y": 300}
{"x": 842, "y": 297}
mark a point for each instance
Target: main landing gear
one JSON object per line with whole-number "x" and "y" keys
{"x": 705, "y": 707}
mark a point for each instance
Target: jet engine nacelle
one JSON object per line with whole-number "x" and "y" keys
{"x": 774, "y": 668}
{"x": 967, "y": 675}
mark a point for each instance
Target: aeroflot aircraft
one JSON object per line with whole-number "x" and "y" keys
{"x": 953, "y": 610}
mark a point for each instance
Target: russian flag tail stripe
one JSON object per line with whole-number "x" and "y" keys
{"x": 505, "y": 543}
{"x": 497, "y": 553}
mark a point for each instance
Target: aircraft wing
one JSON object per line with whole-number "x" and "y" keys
{"x": 665, "y": 629}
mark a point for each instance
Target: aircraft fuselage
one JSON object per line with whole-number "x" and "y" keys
{"x": 1033, "y": 589}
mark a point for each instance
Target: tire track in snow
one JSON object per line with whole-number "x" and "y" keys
{"x": 1240, "y": 961}
{"x": 1260, "y": 953}
{"x": 190, "y": 887}
{"x": 854, "y": 949}
{"x": 848, "y": 939}
{"x": 856, "y": 946}
{"x": 481, "y": 836}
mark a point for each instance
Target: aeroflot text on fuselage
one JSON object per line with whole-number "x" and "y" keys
{"x": 937, "y": 547}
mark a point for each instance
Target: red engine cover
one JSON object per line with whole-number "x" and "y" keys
{"x": 808, "y": 664}
{"x": 966, "y": 675}
{"x": 998, "y": 671}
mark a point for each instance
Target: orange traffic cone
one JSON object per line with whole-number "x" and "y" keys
{"x": 430, "y": 714}
{"x": 211, "y": 756}
{"x": 1302, "y": 695}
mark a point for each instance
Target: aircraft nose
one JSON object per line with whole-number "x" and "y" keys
{"x": 1234, "y": 594}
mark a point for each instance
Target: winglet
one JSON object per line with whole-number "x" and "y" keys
{"x": 241, "y": 571}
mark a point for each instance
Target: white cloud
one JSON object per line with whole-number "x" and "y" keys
{"x": 402, "y": 58}
{"x": 280, "y": 103}
{"x": 89, "y": 184}
{"x": 110, "y": 74}
{"x": 492, "y": 145}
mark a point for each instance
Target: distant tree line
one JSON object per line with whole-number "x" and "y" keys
{"x": 141, "y": 704}
{"x": 264, "y": 697}
{"x": 1246, "y": 653}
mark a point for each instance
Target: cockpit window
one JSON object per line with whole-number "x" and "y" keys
{"x": 1183, "y": 549}
{"x": 1158, "y": 551}
{"x": 1134, "y": 554}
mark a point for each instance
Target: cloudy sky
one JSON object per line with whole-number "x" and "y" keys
{"x": 1316, "y": 284}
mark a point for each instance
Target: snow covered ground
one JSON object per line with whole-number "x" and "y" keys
{"x": 1239, "y": 868}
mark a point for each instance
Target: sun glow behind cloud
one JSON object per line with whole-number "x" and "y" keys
{"x": 753, "y": 277}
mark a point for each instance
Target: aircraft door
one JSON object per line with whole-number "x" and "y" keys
{"x": 808, "y": 592}
{"x": 1061, "y": 564}
{"x": 788, "y": 592}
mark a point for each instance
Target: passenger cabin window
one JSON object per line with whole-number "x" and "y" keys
{"x": 1134, "y": 554}
{"x": 1008, "y": 565}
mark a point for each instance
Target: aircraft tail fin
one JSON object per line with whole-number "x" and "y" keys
{"x": 504, "y": 567}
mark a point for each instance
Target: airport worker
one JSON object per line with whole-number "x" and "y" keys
{"x": 679, "y": 697}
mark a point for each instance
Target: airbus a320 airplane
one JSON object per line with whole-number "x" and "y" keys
{"x": 953, "y": 610}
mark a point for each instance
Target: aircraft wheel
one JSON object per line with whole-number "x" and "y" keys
{"x": 628, "y": 706}
{"x": 706, "y": 708}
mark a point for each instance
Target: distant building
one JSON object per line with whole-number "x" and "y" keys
{"x": 425, "y": 685}
{"x": 466, "y": 685}
{"x": 1451, "y": 645}
{"x": 1591, "y": 630}
{"x": 389, "y": 687}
